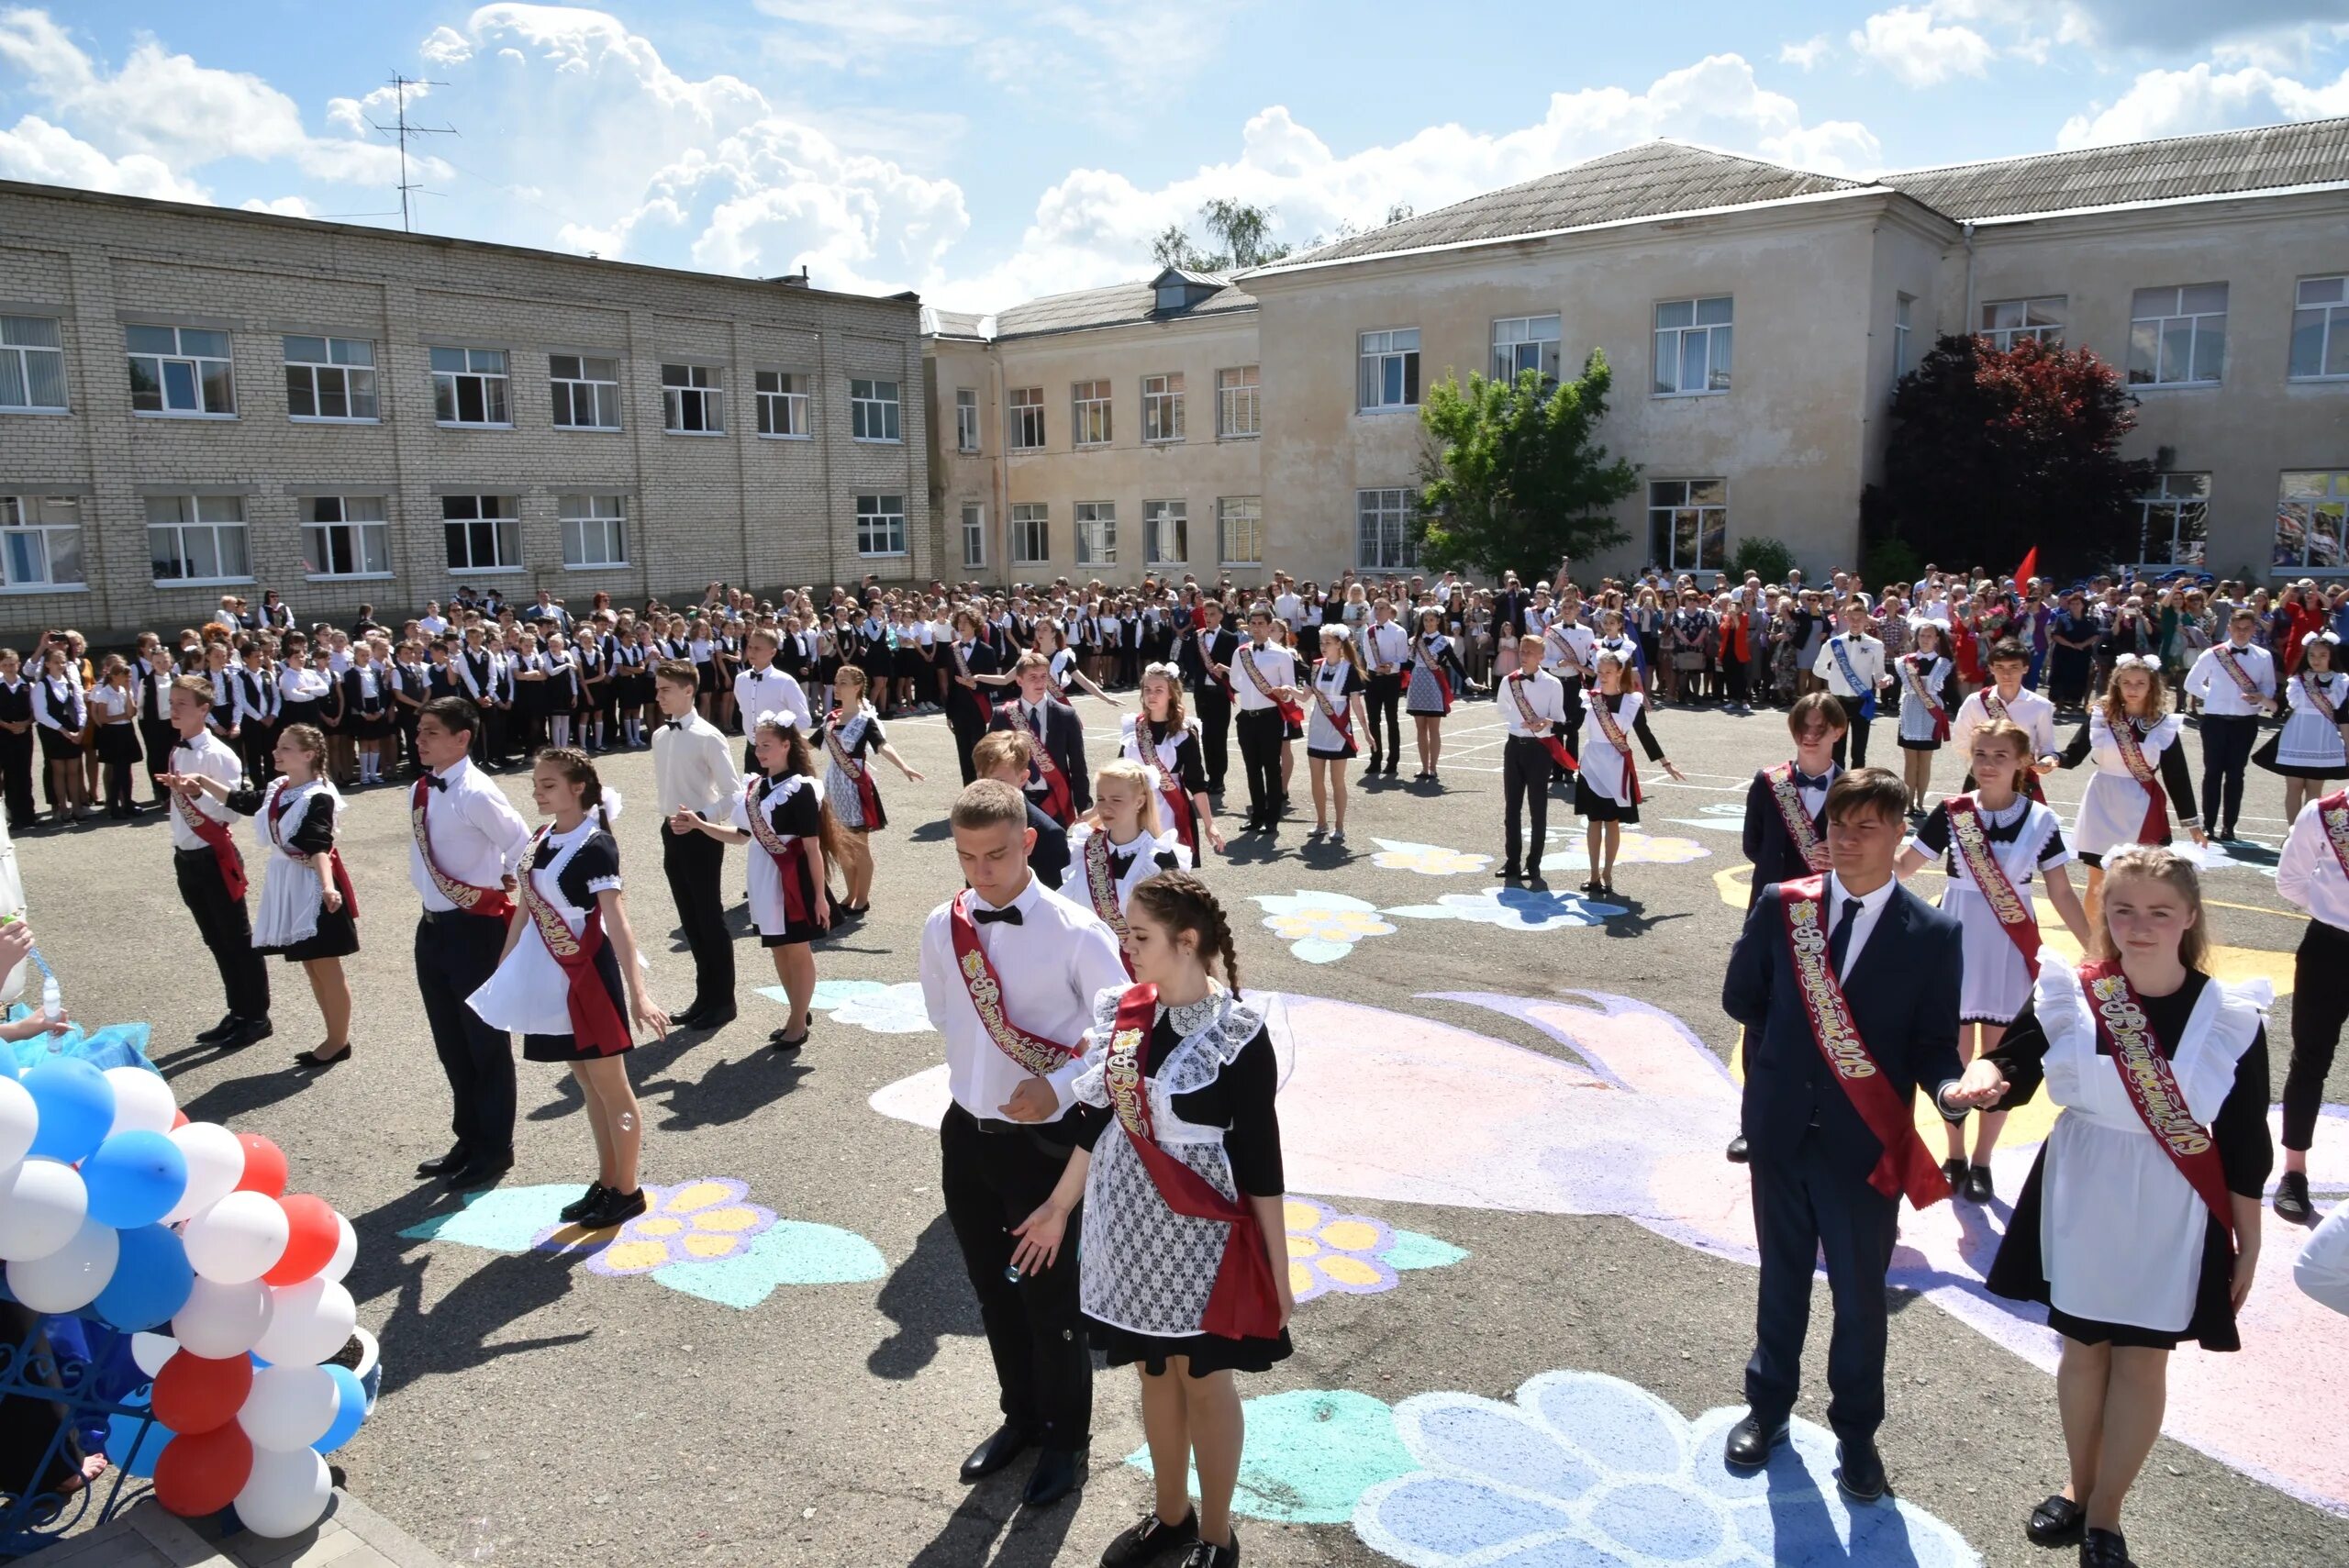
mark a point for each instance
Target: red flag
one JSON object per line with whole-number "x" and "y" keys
{"x": 2029, "y": 566}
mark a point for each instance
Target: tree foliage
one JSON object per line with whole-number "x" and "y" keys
{"x": 1512, "y": 477}
{"x": 1994, "y": 452}
{"x": 1242, "y": 231}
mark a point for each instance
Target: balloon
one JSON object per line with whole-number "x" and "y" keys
{"x": 238, "y": 1239}
{"x": 134, "y": 1178}
{"x": 346, "y": 1250}
{"x": 349, "y": 1413}
{"x": 310, "y": 1240}
{"x": 194, "y": 1393}
{"x": 201, "y": 1473}
{"x": 309, "y": 1323}
{"x": 75, "y": 1104}
{"x": 18, "y": 1119}
{"x": 151, "y": 1351}
{"x": 222, "y": 1319}
{"x": 178, "y": 1119}
{"x": 215, "y": 1161}
{"x": 264, "y": 1166}
{"x": 133, "y": 1441}
{"x": 285, "y": 1495}
{"x": 42, "y": 1203}
{"x": 70, "y": 1278}
{"x": 150, "y": 1283}
{"x": 142, "y": 1100}
{"x": 290, "y": 1407}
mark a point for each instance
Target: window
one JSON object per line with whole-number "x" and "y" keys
{"x": 1161, "y": 408}
{"x": 181, "y": 370}
{"x": 2175, "y": 521}
{"x": 1689, "y": 523}
{"x": 1031, "y": 533}
{"x": 1692, "y": 346}
{"x": 1525, "y": 343}
{"x": 1026, "y": 418}
{"x": 347, "y": 536}
{"x": 966, "y": 421}
{"x": 330, "y": 378}
{"x": 2177, "y": 337}
{"x": 974, "y": 536}
{"x": 595, "y": 529}
{"x": 1166, "y": 532}
{"x": 41, "y": 542}
{"x": 1385, "y": 542}
{"x": 197, "y": 539}
{"x": 872, "y": 410}
{"x": 587, "y": 391}
{"x": 1237, "y": 409}
{"x": 1239, "y": 530}
{"x": 469, "y": 387}
{"x": 1389, "y": 369}
{"x": 2320, "y": 333}
{"x": 691, "y": 403}
{"x": 783, "y": 403}
{"x": 881, "y": 519}
{"x": 2311, "y": 510}
{"x": 32, "y": 363}
{"x": 2007, "y": 322}
{"x": 1096, "y": 533}
{"x": 1089, "y": 413}
{"x": 1902, "y": 309}
{"x": 483, "y": 532}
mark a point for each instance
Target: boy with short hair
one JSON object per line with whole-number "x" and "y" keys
{"x": 1009, "y": 755}
{"x": 693, "y": 776}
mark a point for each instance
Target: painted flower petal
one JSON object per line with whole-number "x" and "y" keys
{"x": 1462, "y": 1435}
{"x": 1412, "y": 1250}
{"x": 1619, "y": 1426}
{"x": 1352, "y": 1234}
{"x": 502, "y": 1220}
{"x": 1668, "y": 1523}
{"x": 731, "y": 1219}
{"x": 1312, "y": 1455}
{"x": 1563, "y": 1551}
{"x": 792, "y": 1253}
{"x": 1353, "y": 1273}
{"x": 1313, "y": 950}
{"x": 1304, "y": 1214}
{"x": 1432, "y": 1521}
{"x": 631, "y": 1257}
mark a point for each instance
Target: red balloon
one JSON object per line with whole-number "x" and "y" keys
{"x": 178, "y": 1119}
{"x": 311, "y": 1237}
{"x": 194, "y": 1395}
{"x": 201, "y": 1473}
{"x": 264, "y": 1166}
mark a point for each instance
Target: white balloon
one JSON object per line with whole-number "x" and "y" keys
{"x": 142, "y": 1101}
{"x": 70, "y": 1277}
{"x": 308, "y": 1322}
{"x": 346, "y": 1250}
{"x": 216, "y": 1163}
{"x": 238, "y": 1239}
{"x": 151, "y": 1351}
{"x": 223, "y": 1320}
{"x": 286, "y": 1493}
{"x": 42, "y": 1203}
{"x": 19, "y": 1118}
{"x": 290, "y": 1407}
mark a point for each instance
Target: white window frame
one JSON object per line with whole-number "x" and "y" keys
{"x": 350, "y": 360}
{"x": 226, "y": 531}
{"x": 19, "y": 345}
{"x": 879, "y": 520}
{"x": 1087, "y": 399}
{"x": 2174, "y": 497}
{"x": 2326, "y": 299}
{"x": 1096, "y": 533}
{"x": 783, "y": 405}
{"x": 1394, "y": 349}
{"x": 28, "y": 517}
{"x": 1231, "y": 514}
{"x": 504, "y": 535}
{"x": 593, "y": 519}
{"x": 974, "y": 536}
{"x": 2328, "y": 495}
{"x": 1711, "y": 508}
{"x": 182, "y": 354}
{"x": 693, "y": 400}
{"x": 1155, "y": 518}
{"x": 573, "y": 378}
{"x": 1162, "y": 408}
{"x": 873, "y": 417}
{"x": 1031, "y": 533}
{"x": 1903, "y": 311}
{"x": 966, "y": 421}
{"x": 1239, "y": 403}
{"x": 2039, "y": 317}
{"x": 2162, "y": 321}
{"x": 1026, "y": 412}
{"x": 1518, "y": 337}
{"x": 370, "y": 538}
{"x": 1672, "y": 340}
{"x": 488, "y": 370}
{"x": 1387, "y": 508}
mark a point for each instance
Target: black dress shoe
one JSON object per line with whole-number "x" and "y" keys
{"x": 583, "y": 1204}
{"x": 688, "y": 1019}
{"x": 1203, "y": 1555}
{"x": 2292, "y": 1199}
{"x": 2105, "y": 1549}
{"x": 1004, "y": 1444}
{"x": 1953, "y": 1171}
{"x": 615, "y": 1208}
{"x": 1978, "y": 1185}
{"x": 1750, "y": 1442}
{"x": 1737, "y": 1155}
{"x": 715, "y": 1018}
{"x": 1509, "y": 874}
{"x": 1059, "y": 1471}
{"x": 219, "y": 1031}
{"x": 481, "y": 1170}
{"x": 1862, "y": 1476}
{"x": 1150, "y": 1539}
{"x": 2056, "y": 1522}
{"x": 441, "y": 1164}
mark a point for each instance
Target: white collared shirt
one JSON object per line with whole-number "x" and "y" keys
{"x": 692, "y": 767}
{"x": 215, "y": 759}
{"x": 1544, "y": 693}
{"x": 1867, "y": 664}
{"x": 770, "y": 690}
{"x": 2219, "y": 691}
{"x": 1386, "y": 644}
{"x": 1051, "y": 965}
{"x": 477, "y": 836}
{"x": 1277, "y": 665}
{"x": 1872, "y": 906}
{"x": 1560, "y": 640}
{"x": 2308, "y": 875}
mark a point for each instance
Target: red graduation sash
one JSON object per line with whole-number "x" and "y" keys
{"x": 1995, "y": 707}
{"x": 596, "y": 1023}
{"x": 2224, "y": 652}
{"x": 1101, "y": 887}
{"x": 2155, "y": 827}
{"x": 1549, "y": 743}
{"x": 1971, "y": 839}
{"x": 488, "y": 901}
{"x": 1170, "y": 784}
{"x": 976, "y": 693}
{"x": 1912, "y": 673}
{"x": 1435, "y": 667}
{"x": 1034, "y": 1055}
{"x": 1905, "y": 1166}
{"x": 217, "y": 839}
{"x": 1549, "y": 634}
{"x": 1336, "y": 715}
{"x": 334, "y": 857}
{"x": 1244, "y": 656}
{"x": 859, "y": 773}
{"x": 1801, "y": 832}
{"x": 2152, "y": 1085}
{"x": 1616, "y": 739}
{"x": 2317, "y": 699}
{"x": 781, "y": 848}
{"x": 1060, "y": 801}
{"x": 1244, "y": 1303}
{"x": 2333, "y": 815}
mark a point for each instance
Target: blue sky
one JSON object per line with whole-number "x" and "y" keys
{"x": 983, "y": 153}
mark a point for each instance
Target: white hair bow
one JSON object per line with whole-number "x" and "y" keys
{"x": 2134, "y": 661}
{"x": 781, "y": 718}
{"x": 2332, "y": 637}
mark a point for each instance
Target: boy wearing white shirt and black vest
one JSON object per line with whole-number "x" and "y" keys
{"x": 1533, "y": 706}
{"x": 153, "y": 675}
{"x": 1852, "y": 663}
{"x": 692, "y": 771}
{"x": 207, "y": 866}
{"x": 1008, "y": 973}
{"x": 2235, "y": 681}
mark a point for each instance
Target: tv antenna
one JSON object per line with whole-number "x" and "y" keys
{"x": 400, "y": 129}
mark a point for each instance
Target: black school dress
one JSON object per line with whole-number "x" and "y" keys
{"x": 311, "y": 834}
{"x": 592, "y": 867}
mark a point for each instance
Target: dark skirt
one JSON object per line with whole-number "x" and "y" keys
{"x": 1597, "y": 807}
{"x": 705, "y": 679}
{"x": 1331, "y": 756}
{"x": 1928, "y": 744}
{"x": 56, "y": 746}
{"x": 371, "y": 726}
{"x": 337, "y": 937}
{"x": 910, "y": 664}
{"x": 1207, "y": 1353}
{"x": 566, "y": 1048}
{"x": 796, "y": 932}
{"x": 118, "y": 742}
{"x": 2265, "y": 757}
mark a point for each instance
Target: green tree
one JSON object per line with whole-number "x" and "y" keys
{"x": 1512, "y": 477}
{"x": 1242, "y": 229}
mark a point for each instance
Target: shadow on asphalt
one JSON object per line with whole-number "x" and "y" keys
{"x": 453, "y": 1338}
{"x": 967, "y": 1539}
{"x": 726, "y": 1091}
{"x": 235, "y": 1097}
{"x": 927, "y": 1297}
{"x": 935, "y": 832}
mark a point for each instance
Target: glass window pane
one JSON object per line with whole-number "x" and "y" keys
{"x": 2152, "y": 302}
{"x": 1713, "y": 312}
{"x": 2307, "y": 343}
{"x": 1707, "y": 492}
{"x": 220, "y": 394}
{"x": 40, "y": 332}
{"x": 179, "y": 385}
{"x": 1679, "y": 313}
{"x": 163, "y": 554}
{"x": 219, "y": 509}
{"x": 1692, "y": 360}
{"x": 64, "y": 548}
{"x": 1667, "y": 361}
{"x": 25, "y": 559}
{"x": 2144, "y": 351}
{"x": 2336, "y": 360}
{"x": 2210, "y": 348}
{"x": 311, "y": 348}
{"x": 2322, "y": 291}
{"x": 201, "y": 548}
{"x": 211, "y": 345}
{"x": 1684, "y": 537}
{"x": 151, "y": 340}
{"x": 1720, "y": 336}
{"x": 564, "y": 367}
{"x": 2325, "y": 534}
{"x": 354, "y": 351}
{"x": 167, "y": 510}
{"x": 448, "y": 358}
{"x": 2202, "y": 298}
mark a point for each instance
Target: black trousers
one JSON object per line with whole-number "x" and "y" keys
{"x": 969, "y": 729}
{"x": 1804, "y": 1204}
{"x": 1856, "y": 734}
{"x": 994, "y": 1178}
{"x": 257, "y": 742}
{"x": 1260, "y": 753}
{"x": 1525, "y": 767}
{"x": 1573, "y": 708}
{"x": 220, "y": 921}
{"x": 156, "y": 739}
{"x": 1214, "y": 710}
{"x": 1383, "y": 702}
{"x": 2319, "y": 1007}
{"x": 17, "y": 766}
{"x": 2226, "y": 752}
{"x": 695, "y": 864}
{"x": 455, "y": 953}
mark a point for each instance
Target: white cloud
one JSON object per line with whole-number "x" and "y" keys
{"x": 2186, "y": 23}
{"x": 445, "y": 47}
{"x": 1807, "y": 54}
{"x": 1918, "y": 49}
{"x": 50, "y": 155}
{"x": 2182, "y": 102}
{"x": 285, "y": 206}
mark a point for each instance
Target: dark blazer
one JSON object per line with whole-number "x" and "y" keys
{"x": 1049, "y": 859}
{"x": 1903, "y": 993}
{"x": 1774, "y": 854}
{"x": 1063, "y": 738}
{"x": 1199, "y": 647}
{"x": 961, "y": 701}
{"x": 1509, "y": 614}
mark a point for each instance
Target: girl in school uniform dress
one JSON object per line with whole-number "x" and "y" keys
{"x": 1182, "y": 1266}
{"x": 561, "y": 692}
{"x": 594, "y": 678}
{"x": 300, "y": 689}
{"x": 1928, "y": 697}
{"x": 61, "y": 718}
{"x": 571, "y": 979}
{"x": 1607, "y": 786}
{"x": 367, "y": 707}
{"x": 1119, "y": 842}
{"x": 853, "y": 736}
{"x": 2122, "y": 1232}
{"x": 1999, "y": 836}
{"x": 113, "y": 708}
{"x": 1334, "y": 714}
{"x": 2137, "y": 744}
{"x": 639, "y": 653}
{"x": 2308, "y": 751}
{"x": 701, "y": 647}
{"x": 1165, "y": 741}
{"x": 1437, "y": 680}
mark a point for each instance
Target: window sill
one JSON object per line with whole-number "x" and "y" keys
{"x": 1163, "y": 441}
{"x": 175, "y": 414}
{"x": 1091, "y": 446}
{"x": 2174, "y": 385}
{"x": 21, "y": 589}
{"x": 39, "y": 412}
{"x": 783, "y": 436}
{"x": 485, "y": 571}
{"x": 1240, "y": 435}
{"x": 883, "y": 554}
{"x": 588, "y": 429}
{"x": 1240, "y": 565}
{"x": 596, "y": 566}
{"x": 1708, "y": 392}
{"x": 2288, "y": 381}
{"x": 200, "y": 582}
{"x": 968, "y": 451}
{"x": 332, "y": 419}
{"x": 1385, "y": 408}
{"x": 878, "y": 441}
{"x": 699, "y": 435}
{"x": 471, "y": 425}
{"x": 346, "y": 576}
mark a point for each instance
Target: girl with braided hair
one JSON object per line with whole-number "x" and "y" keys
{"x": 1183, "y": 1262}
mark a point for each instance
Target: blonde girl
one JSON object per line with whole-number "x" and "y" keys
{"x": 1334, "y": 715}
{"x": 1120, "y": 841}
{"x": 2138, "y": 746}
{"x": 2312, "y": 748}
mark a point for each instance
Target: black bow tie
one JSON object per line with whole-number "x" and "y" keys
{"x": 988, "y": 917}
{"x": 674, "y": 724}
{"x": 436, "y": 781}
{"x": 1806, "y": 781}
{"x": 1122, "y": 862}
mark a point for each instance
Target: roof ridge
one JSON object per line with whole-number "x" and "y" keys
{"x": 2234, "y": 132}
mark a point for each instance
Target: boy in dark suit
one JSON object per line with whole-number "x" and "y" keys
{"x": 1061, "y": 784}
{"x": 1008, "y": 755}
{"x": 1847, "y": 984}
{"x": 1206, "y": 659}
{"x": 967, "y": 658}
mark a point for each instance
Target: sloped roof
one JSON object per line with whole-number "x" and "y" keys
{"x": 937, "y": 323}
{"x": 2222, "y": 163}
{"x": 1120, "y": 305}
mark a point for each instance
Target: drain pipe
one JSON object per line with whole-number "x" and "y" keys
{"x": 1966, "y": 228}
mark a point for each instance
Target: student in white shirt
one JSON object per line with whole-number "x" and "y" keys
{"x": 2310, "y": 876}
{"x": 1533, "y": 709}
{"x": 208, "y": 868}
{"x": 694, "y": 777}
{"x": 2235, "y": 682}
{"x": 766, "y": 688}
{"x": 1852, "y": 663}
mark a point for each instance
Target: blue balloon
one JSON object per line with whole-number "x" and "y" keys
{"x": 134, "y": 1179}
{"x": 76, "y": 1106}
{"x": 152, "y": 1279}
{"x": 134, "y": 1440}
{"x": 349, "y": 1414}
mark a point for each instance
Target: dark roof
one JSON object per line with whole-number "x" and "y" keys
{"x": 1120, "y": 305}
{"x": 2223, "y": 163}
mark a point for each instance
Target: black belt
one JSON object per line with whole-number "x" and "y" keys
{"x": 444, "y": 916}
{"x": 205, "y": 852}
{"x": 996, "y": 1127}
